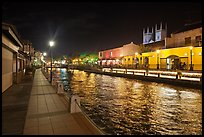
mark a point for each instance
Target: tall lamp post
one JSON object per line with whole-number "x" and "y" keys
{"x": 136, "y": 60}
{"x": 51, "y": 43}
{"x": 158, "y": 59}
{"x": 44, "y": 54}
{"x": 191, "y": 66}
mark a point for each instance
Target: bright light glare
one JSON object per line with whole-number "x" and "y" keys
{"x": 44, "y": 54}
{"x": 63, "y": 61}
{"x": 52, "y": 43}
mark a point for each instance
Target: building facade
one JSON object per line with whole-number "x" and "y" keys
{"x": 11, "y": 62}
{"x": 190, "y": 35}
{"x": 118, "y": 56}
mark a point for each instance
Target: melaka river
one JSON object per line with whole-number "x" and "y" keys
{"x": 121, "y": 106}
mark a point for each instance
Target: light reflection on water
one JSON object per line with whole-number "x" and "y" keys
{"x": 126, "y": 106}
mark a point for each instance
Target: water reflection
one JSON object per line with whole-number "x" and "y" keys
{"x": 125, "y": 106}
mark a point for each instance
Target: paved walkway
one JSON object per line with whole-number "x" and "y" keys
{"x": 14, "y": 107}
{"x": 48, "y": 115}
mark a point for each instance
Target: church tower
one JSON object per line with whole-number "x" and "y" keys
{"x": 160, "y": 32}
{"x": 148, "y": 36}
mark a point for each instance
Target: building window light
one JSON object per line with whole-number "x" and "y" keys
{"x": 200, "y": 53}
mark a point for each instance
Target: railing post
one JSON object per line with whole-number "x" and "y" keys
{"x": 60, "y": 88}
{"x": 75, "y": 104}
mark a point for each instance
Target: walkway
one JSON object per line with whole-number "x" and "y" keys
{"x": 48, "y": 115}
{"x": 14, "y": 107}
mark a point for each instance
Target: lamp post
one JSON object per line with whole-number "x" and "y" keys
{"x": 51, "y": 43}
{"x": 158, "y": 59}
{"x": 136, "y": 61}
{"x": 191, "y": 66}
{"x": 44, "y": 54}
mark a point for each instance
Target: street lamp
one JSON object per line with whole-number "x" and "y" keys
{"x": 136, "y": 60}
{"x": 51, "y": 43}
{"x": 44, "y": 54}
{"x": 158, "y": 59}
{"x": 191, "y": 66}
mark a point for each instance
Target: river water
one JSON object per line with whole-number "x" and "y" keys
{"x": 121, "y": 106}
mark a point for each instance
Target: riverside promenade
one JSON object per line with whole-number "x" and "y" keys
{"x": 47, "y": 113}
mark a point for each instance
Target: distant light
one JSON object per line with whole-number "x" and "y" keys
{"x": 63, "y": 61}
{"x": 52, "y": 43}
{"x": 158, "y": 51}
{"x": 200, "y": 54}
{"x": 136, "y": 53}
{"x": 44, "y": 54}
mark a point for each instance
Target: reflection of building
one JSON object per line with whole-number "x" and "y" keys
{"x": 12, "y": 61}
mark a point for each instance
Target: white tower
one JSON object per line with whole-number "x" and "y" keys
{"x": 147, "y": 36}
{"x": 160, "y": 33}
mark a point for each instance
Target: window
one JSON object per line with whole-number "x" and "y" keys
{"x": 125, "y": 59}
{"x": 132, "y": 58}
{"x": 188, "y": 41}
{"x": 128, "y": 59}
{"x": 198, "y": 41}
{"x": 100, "y": 54}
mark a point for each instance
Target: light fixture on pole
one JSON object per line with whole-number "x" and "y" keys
{"x": 44, "y": 54}
{"x": 136, "y": 60}
{"x": 51, "y": 43}
{"x": 191, "y": 66}
{"x": 158, "y": 59}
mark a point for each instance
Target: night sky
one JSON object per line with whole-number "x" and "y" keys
{"x": 81, "y": 27}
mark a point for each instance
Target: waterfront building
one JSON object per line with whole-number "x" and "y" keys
{"x": 189, "y": 35}
{"x": 183, "y": 50}
{"x": 174, "y": 58}
{"x": 129, "y": 51}
{"x": 118, "y": 56}
{"x": 110, "y": 57}
{"x": 29, "y": 52}
{"x": 11, "y": 59}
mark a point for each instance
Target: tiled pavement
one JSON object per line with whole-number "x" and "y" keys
{"x": 14, "y": 107}
{"x": 48, "y": 115}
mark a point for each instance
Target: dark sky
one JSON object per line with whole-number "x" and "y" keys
{"x": 80, "y": 27}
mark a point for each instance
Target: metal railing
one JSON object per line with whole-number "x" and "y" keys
{"x": 90, "y": 120}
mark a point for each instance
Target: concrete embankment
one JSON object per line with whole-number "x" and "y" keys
{"x": 176, "y": 82}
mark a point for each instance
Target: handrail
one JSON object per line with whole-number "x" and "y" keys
{"x": 104, "y": 133}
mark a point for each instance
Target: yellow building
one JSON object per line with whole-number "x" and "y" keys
{"x": 174, "y": 58}
{"x": 128, "y": 61}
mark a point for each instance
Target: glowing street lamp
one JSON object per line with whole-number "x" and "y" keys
{"x": 44, "y": 54}
{"x": 158, "y": 59}
{"x": 51, "y": 43}
{"x": 191, "y": 66}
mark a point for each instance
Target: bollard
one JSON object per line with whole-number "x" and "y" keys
{"x": 60, "y": 88}
{"x": 75, "y": 106}
{"x": 53, "y": 81}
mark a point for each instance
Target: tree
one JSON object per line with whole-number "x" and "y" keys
{"x": 144, "y": 48}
